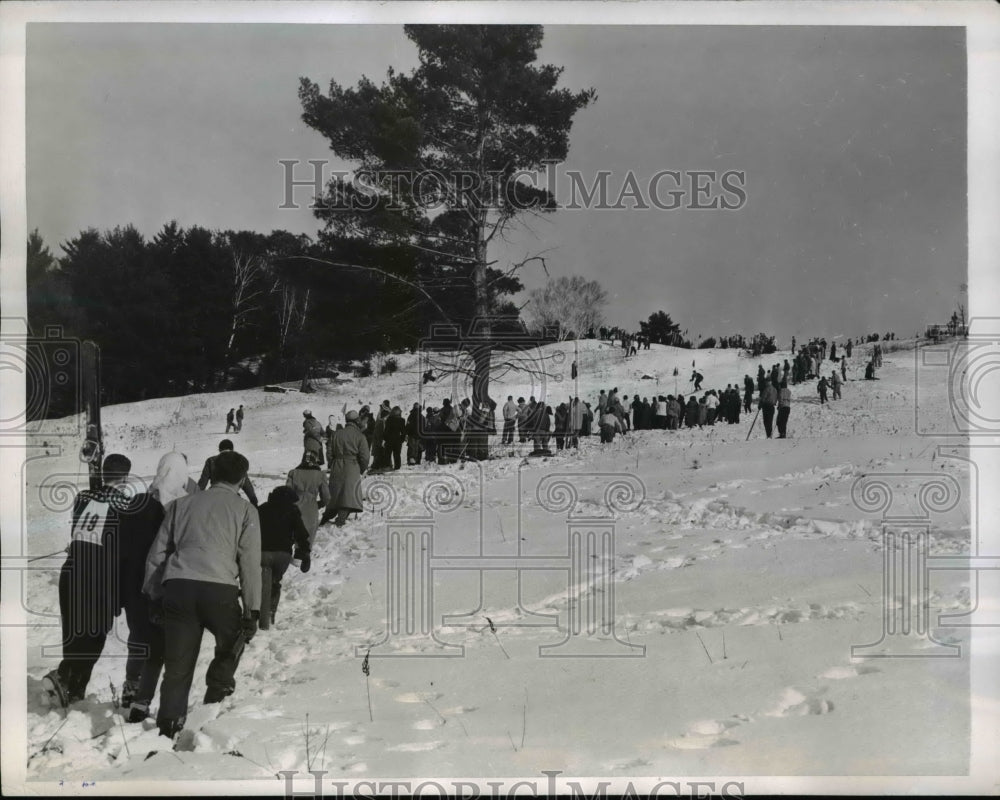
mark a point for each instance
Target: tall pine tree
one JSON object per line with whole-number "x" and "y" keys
{"x": 455, "y": 138}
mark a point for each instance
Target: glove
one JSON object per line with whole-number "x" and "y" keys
{"x": 250, "y": 625}
{"x": 304, "y": 558}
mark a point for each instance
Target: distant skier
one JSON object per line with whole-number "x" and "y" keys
{"x": 697, "y": 377}
{"x": 239, "y": 419}
{"x": 231, "y": 420}
{"x": 89, "y": 598}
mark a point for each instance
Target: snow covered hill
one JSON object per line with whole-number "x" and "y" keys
{"x": 741, "y": 575}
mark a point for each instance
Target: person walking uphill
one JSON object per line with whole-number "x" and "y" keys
{"x": 145, "y": 621}
{"x": 281, "y": 529}
{"x": 89, "y": 597}
{"x": 205, "y": 557}
{"x": 308, "y": 481}
{"x": 312, "y": 435}
{"x": 350, "y": 460}
{"x": 206, "y": 473}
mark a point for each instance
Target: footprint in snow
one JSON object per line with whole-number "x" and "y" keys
{"x": 795, "y": 704}
{"x": 708, "y": 733}
{"x": 841, "y": 673}
{"x": 415, "y": 747}
{"x": 416, "y": 697}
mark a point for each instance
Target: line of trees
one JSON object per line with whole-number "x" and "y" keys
{"x": 193, "y": 310}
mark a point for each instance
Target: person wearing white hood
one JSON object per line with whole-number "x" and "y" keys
{"x": 145, "y": 618}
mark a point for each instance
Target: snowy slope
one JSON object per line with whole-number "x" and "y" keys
{"x": 746, "y": 572}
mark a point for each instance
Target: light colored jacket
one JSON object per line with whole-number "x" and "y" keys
{"x": 510, "y": 410}
{"x": 211, "y": 536}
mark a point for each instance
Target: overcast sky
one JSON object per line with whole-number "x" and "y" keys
{"x": 852, "y": 140}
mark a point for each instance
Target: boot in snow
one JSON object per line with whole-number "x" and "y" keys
{"x": 170, "y": 727}
{"x": 129, "y": 688}
{"x": 138, "y": 712}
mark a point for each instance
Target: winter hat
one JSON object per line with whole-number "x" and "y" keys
{"x": 171, "y": 478}
{"x": 351, "y": 416}
{"x": 307, "y": 413}
{"x": 283, "y": 496}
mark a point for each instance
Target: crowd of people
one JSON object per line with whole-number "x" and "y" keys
{"x": 188, "y": 556}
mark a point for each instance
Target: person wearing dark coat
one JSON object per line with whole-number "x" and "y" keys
{"x": 848, "y": 348}
{"x": 428, "y": 436}
{"x": 310, "y": 487}
{"x": 225, "y": 446}
{"x": 350, "y": 461}
{"x": 562, "y": 425}
{"x": 448, "y": 429}
{"x": 768, "y": 400}
{"x": 281, "y": 530}
{"x": 89, "y": 590}
{"x": 784, "y": 409}
{"x": 380, "y": 454}
{"x": 145, "y": 619}
{"x": 821, "y": 387}
{"x": 231, "y": 420}
{"x": 312, "y": 435}
{"x": 413, "y": 446}
{"x": 394, "y": 436}
{"x": 691, "y": 412}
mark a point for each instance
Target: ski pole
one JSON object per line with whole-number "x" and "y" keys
{"x": 753, "y": 423}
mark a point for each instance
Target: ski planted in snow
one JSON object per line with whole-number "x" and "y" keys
{"x": 92, "y": 452}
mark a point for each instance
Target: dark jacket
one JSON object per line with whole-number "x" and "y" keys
{"x": 138, "y": 527}
{"x": 90, "y": 575}
{"x": 395, "y": 429}
{"x": 281, "y": 526}
{"x": 206, "y": 477}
